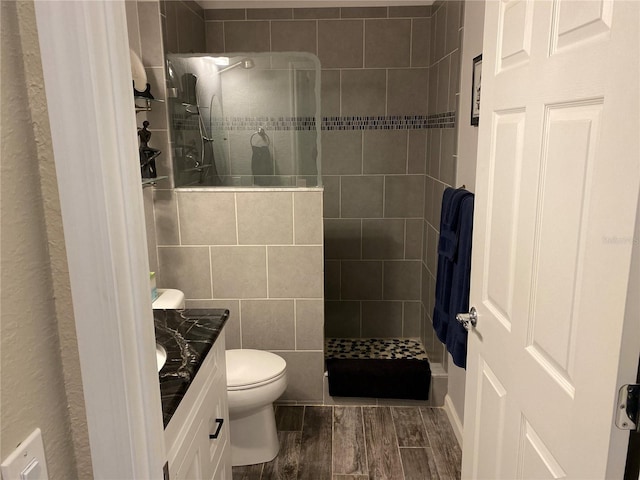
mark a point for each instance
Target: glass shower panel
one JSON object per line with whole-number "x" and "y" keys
{"x": 245, "y": 120}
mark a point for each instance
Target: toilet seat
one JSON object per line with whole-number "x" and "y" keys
{"x": 247, "y": 368}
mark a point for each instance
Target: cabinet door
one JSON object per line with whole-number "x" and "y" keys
{"x": 223, "y": 471}
{"x": 205, "y": 458}
{"x": 205, "y": 450}
{"x": 195, "y": 464}
{"x": 218, "y": 419}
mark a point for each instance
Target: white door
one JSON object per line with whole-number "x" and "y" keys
{"x": 557, "y": 186}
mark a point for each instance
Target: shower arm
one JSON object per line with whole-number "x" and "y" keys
{"x": 245, "y": 63}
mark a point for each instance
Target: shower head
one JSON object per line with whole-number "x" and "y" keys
{"x": 245, "y": 63}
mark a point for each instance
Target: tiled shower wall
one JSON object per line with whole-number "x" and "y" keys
{"x": 152, "y": 27}
{"x": 259, "y": 254}
{"x": 376, "y": 119}
{"x": 380, "y": 113}
{"x": 182, "y": 26}
{"x": 444, "y": 64}
{"x": 389, "y": 97}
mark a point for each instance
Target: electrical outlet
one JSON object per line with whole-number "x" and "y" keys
{"x": 27, "y": 461}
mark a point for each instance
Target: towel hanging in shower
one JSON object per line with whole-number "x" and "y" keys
{"x": 261, "y": 165}
{"x": 261, "y": 161}
{"x": 452, "y": 280}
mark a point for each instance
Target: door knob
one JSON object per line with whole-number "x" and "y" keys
{"x": 468, "y": 320}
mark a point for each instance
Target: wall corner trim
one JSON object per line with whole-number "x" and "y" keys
{"x": 87, "y": 79}
{"x": 454, "y": 418}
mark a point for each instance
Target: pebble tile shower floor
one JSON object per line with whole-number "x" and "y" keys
{"x": 360, "y": 443}
{"x": 387, "y": 348}
{"x": 377, "y": 367}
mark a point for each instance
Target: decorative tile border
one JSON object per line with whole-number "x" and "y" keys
{"x": 398, "y": 122}
{"x": 381, "y": 122}
{"x": 268, "y": 123}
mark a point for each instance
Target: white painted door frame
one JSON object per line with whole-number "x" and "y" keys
{"x": 85, "y": 57}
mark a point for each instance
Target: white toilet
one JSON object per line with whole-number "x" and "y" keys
{"x": 255, "y": 379}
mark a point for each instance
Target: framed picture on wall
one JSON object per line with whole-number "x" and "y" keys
{"x": 475, "y": 90}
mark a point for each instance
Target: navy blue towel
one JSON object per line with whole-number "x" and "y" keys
{"x": 460, "y": 282}
{"x": 262, "y": 165}
{"x": 447, "y": 256}
{"x": 450, "y": 225}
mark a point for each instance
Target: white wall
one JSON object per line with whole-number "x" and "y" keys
{"x": 41, "y": 384}
{"x": 468, "y": 134}
{"x": 467, "y": 151}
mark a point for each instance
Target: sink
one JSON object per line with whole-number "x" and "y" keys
{"x": 161, "y": 356}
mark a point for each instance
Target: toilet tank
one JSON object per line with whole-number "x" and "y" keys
{"x": 169, "y": 299}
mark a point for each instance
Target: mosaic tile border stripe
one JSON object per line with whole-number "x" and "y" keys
{"x": 272, "y": 124}
{"x": 391, "y": 122}
{"x": 379, "y": 122}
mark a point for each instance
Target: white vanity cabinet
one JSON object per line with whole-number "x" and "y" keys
{"x": 192, "y": 451}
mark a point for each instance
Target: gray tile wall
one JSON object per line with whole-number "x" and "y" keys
{"x": 156, "y": 28}
{"x": 153, "y": 28}
{"x": 383, "y": 188}
{"x": 375, "y": 62}
{"x": 259, "y": 254}
{"x": 444, "y": 62}
{"x": 145, "y": 39}
{"x": 375, "y": 231}
{"x": 183, "y": 26}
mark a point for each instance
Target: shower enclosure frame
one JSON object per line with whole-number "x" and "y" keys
{"x": 224, "y": 170}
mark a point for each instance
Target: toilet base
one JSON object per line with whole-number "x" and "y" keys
{"x": 253, "y": 436}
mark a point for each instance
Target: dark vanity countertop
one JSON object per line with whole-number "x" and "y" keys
{"x": 187, "y": 336}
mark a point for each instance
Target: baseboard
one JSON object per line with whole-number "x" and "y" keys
{"x": 454, "y": 419}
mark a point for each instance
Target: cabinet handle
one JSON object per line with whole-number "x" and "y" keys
{"x": 219, "y": 421}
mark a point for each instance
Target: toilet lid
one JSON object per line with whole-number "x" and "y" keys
{"x": 247, "y": 367}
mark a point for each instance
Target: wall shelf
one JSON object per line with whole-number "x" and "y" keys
{"x": 150, "y": 182}
{"x": 143, "y": 104}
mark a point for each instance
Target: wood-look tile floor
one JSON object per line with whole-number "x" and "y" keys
{"x": 360, "y": 443}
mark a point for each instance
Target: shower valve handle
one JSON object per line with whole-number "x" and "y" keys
{"x": 468, "y": 320}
